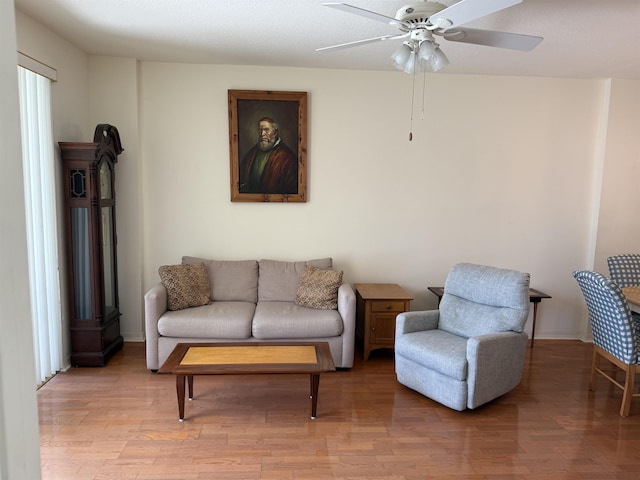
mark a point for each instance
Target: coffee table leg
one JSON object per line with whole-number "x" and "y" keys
{"x": 190, "y": 381}
{"x": 315, "y": 382}
{"x": 180, "y": 390}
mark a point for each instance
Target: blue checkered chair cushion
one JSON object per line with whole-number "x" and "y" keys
{"x": 612, "y": 325}
{"x": 625, "y": 269}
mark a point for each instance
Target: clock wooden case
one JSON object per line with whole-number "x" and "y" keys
{"x": 90, "y": 221}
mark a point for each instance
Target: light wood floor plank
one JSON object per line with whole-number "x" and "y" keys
{"x": 120, "y": 422}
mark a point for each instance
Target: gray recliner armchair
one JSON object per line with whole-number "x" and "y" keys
{"x": 472, "y": 349}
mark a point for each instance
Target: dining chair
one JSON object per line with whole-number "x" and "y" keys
{"x": 624, "y": 269}
{"x": 616, "y": 334}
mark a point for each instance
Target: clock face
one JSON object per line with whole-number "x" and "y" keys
{"x": 105, "y": 180}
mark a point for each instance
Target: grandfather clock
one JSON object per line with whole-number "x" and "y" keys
{"x": 90, "y": 219}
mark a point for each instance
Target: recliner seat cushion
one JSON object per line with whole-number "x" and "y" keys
{"x": 437, "y": 350}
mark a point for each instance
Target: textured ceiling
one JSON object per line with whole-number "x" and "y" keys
{"x": 582, "y": 38}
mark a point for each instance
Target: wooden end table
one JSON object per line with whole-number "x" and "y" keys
{"x": 238, "y": 358}
{"x": 377, "y": 305}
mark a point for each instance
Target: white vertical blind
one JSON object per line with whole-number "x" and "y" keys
{"x": 40, "y": 201}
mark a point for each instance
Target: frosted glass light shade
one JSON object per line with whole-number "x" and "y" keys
{"x": 401, "y": 56}
{"x": 440, "y": 61}
{"x": 410, "y": 66}
{"x": 426, "y": 51}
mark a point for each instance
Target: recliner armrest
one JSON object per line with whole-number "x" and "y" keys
{"x": 408, "y": 322}
{"x": 496, "y": 346}
{"x": 495, "y": 365}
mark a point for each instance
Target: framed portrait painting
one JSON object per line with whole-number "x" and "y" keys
{"x": 268, "y": 146}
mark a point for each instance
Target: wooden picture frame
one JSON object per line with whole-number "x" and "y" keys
{"x": 268, "y": 146}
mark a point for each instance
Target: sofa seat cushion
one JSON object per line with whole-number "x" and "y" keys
{"x": 437, "y": 350}
{"x": 218, "y": 320}
{"x": 285, "y": 320}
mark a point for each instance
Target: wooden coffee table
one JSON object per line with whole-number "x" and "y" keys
{"x": 243, "y": 358}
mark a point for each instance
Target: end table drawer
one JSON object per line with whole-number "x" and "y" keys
{"x": 387, "y": 306}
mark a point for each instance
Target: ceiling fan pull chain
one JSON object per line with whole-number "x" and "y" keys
{"x": 413, "y": 95}
{"x": 424, "y": 87}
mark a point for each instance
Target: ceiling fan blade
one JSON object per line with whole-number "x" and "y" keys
{"x": 345, "y": 7}
{"x": 513, "y": 41}
{"x": 468, "y": 10}
{"x": 363, "y": 42}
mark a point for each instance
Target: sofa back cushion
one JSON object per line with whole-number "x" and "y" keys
{"x": 480, "y": 300}
{"x": 231, "y": 280}
{"x": 278, "y": 281}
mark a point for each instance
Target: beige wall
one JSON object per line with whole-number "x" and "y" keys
{"x": 502, "y": 170}
{"x": 113, "y": 99}
{"x": 19, "y": 442}
{"x": 619, "y": 223}
{"x": 497, "y": 172}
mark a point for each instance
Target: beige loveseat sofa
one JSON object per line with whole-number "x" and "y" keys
{"x": 253, "y": 301}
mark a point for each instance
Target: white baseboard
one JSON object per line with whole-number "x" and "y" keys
{"x": 132, "y": 337}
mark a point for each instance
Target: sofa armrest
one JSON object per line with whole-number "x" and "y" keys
{"x": 155, "y": 304}
{"x": 409, "y": 322}
{"x": 347, "y": 310}
{"x": 495, "y": 365}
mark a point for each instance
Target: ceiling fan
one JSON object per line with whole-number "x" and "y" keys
{"x": 421, "y": 22}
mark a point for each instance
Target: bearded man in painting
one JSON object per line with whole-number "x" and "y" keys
{"x": 270, "y": 166}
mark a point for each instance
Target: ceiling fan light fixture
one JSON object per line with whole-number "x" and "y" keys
{"x": 430, "y": 57}
{"x": 401, "y": 56}
{"x": 441, "y": 59}
{"x": 426, "y": 51}
{"x": 410, "y": 65}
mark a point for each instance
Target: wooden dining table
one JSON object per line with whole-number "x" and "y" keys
{"x": 633, "y": 297}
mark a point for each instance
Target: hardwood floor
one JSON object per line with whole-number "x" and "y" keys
{"x": 120, "y": 422}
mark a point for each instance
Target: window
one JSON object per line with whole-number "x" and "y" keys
{"x": 40, "y": 202}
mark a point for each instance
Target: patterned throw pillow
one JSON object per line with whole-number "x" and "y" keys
{"x": 187, "y": 285}
{"x": 319, "y": 288}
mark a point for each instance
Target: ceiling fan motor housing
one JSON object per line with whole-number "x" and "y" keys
{"x": 418, "y": 13}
